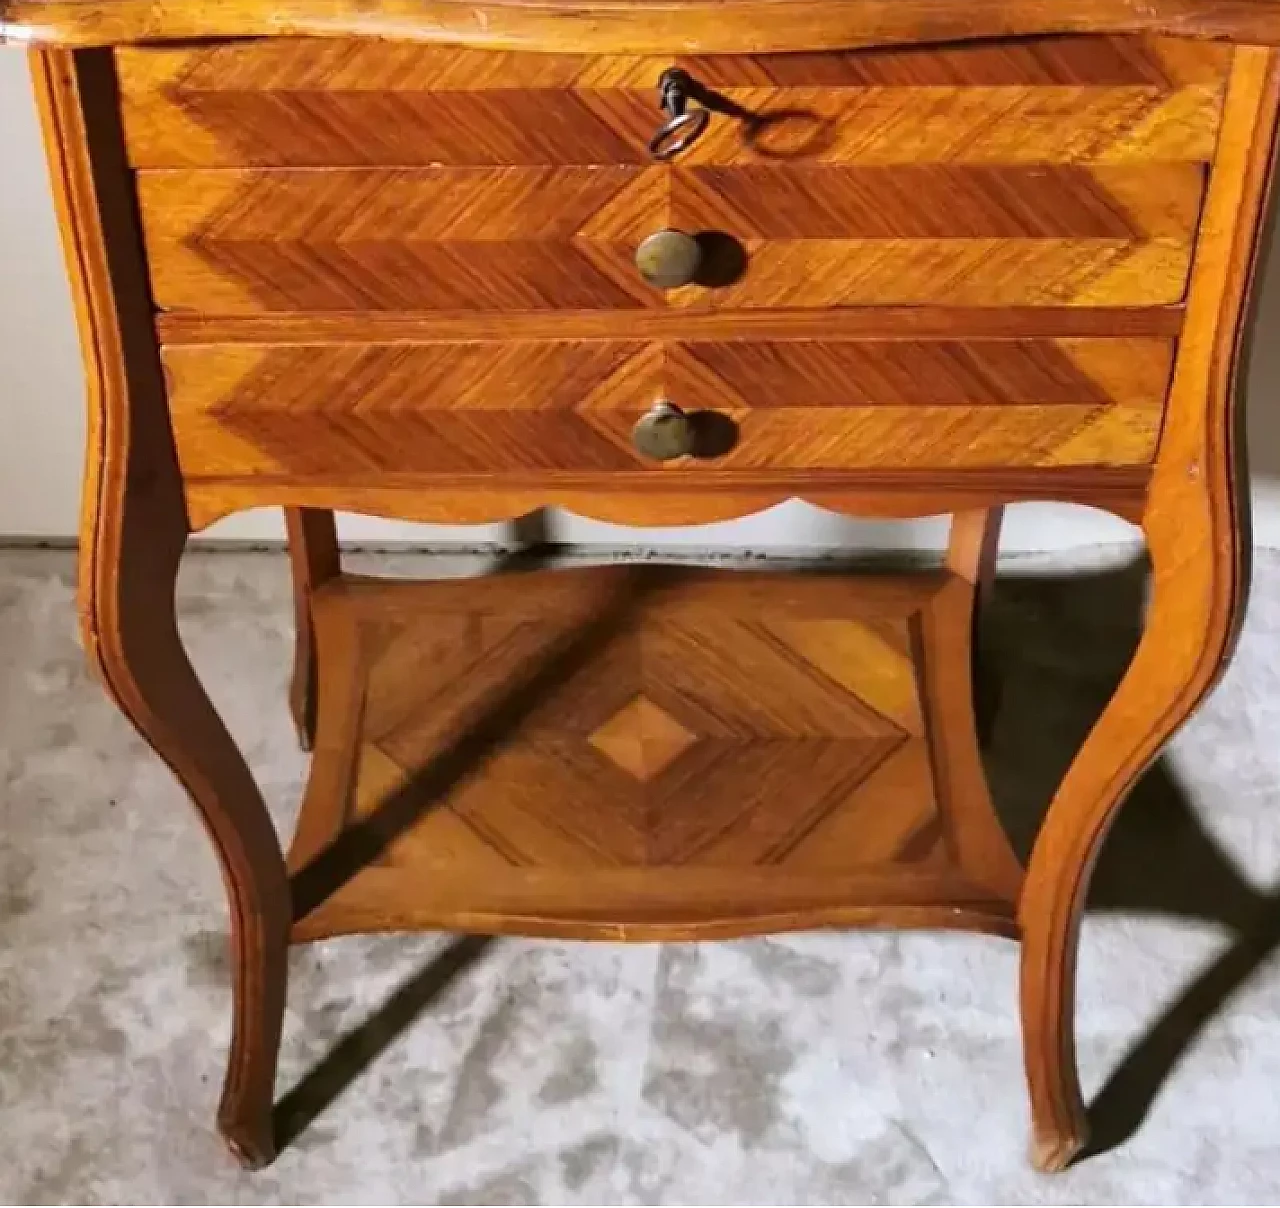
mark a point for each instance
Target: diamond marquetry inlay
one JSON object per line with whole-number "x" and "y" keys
{"x": 742, "y": 733}
{"x": 642, "y": 739}
{"x": 645, "y": 743}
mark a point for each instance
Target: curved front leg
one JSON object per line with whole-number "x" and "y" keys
{"x": 1198, "y": 543}
{"x": 1195, "y": 600}
{"x": 133, "y": 531}
{"x": 130, "y": 631}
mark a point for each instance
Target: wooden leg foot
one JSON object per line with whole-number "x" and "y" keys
{"x": 1052, "y": 1152}
{"x": 260, "y": 980}
{"x": 306, "y": 741}
{"x": 302, "y": 694}
{"x": 252, "y": 1142}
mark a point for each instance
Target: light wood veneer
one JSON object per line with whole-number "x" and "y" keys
{"x": 389, "y": 268}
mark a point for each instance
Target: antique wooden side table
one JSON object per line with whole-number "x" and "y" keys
{"x": 658, "y": 261}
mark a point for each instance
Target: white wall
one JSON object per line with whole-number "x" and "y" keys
{"x": 41, "y": 410}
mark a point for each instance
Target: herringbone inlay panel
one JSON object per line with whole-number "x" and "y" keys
{"x": 1035, "y": 174}
{"x": 565, "y": 238}
{"x": 336, "y": 103}
{"x": 478, "y": 738}
{"x": 307, "y": 411}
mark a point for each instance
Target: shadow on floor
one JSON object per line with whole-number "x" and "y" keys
{"x": 1058, "y": 647}
{"x": 361, "y": 1047}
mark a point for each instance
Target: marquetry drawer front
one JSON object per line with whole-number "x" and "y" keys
{"x": 311, "y": 413}
{"x": 1039, "y": 172}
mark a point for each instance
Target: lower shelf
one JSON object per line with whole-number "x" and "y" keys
{"x": 641, "y": 752}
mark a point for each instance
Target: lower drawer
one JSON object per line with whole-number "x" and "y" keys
{"x": 304, "y": 412}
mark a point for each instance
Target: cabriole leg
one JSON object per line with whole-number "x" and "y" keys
{"x": 1179, "y": 653}
{"x": 132, "y": 636}
{"x": 133, "y": 532}
{"x": 1197, "y": 537}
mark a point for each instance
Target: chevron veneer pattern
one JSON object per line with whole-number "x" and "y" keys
{"x": 1029, "y": 174}
{"x": 537, "y": 239}
{"x": 495, "y": 239}
{"x": 343, "y": 103}
{"x": 308, "y": 411}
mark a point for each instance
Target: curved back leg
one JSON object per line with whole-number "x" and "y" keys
{"x": 1198, "y": 541}
{"x": 133, "y": 532}
{"x": 314, "y": 559}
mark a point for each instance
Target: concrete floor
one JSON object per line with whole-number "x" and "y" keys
{"x": 823, "y": 1068}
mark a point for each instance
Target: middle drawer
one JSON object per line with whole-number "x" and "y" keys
{"x": 320, "y": 412}
{"x": 566, "y": 237}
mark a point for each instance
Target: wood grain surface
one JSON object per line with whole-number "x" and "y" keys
{"x": 640, "y": 498}
{"x": 1045, "y": 173}
{"x": 314, "y": 560}
{"x": 303, "y": 103}
{"x": 399, "y": 279}
{"x": 542, "y": 738}
{"x": 314, "y": 411}
{"x": 133, "y": 531}
{"x": 846, "y": 323}
{"x": 631, "y": 26}
{"x": 561, "y": 238}
{"x": 1197, "y": 533}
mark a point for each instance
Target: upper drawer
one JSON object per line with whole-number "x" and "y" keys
{"x": 1044, "y": 172}
{"x": 323, "y": 103}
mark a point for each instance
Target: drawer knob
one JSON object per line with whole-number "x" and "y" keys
{"x": 683, "y": 125}
{"x": 663, "y": 432}
{"x": 668, "y": 259}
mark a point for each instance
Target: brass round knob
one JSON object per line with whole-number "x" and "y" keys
{"x": 663, "y": 432}
{"x": 669, "y": 259}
